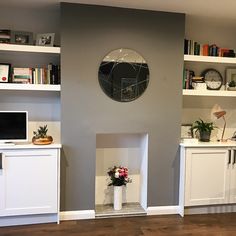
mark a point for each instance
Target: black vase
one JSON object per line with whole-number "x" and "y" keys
{"x": 205, "y": 136}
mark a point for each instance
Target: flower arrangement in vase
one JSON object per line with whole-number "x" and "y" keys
{"x": 118, "y": 176}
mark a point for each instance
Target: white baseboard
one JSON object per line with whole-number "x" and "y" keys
{"x": 77, "y": 215}
{"x": 210, "y": 209}
{"x": 27, "y": 219}
{"x": 163, "y": 210}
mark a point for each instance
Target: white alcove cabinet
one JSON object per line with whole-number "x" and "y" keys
{"x": 29, "y": 182}
{"x": 208, "y": 176}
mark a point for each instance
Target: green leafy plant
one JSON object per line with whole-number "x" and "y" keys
{"x": 232, "y": 83}
{"x": 41, "y": 132}
{"x": 204, "y": 129}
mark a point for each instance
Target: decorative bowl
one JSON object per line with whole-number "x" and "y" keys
{"x": 42, "y": 141}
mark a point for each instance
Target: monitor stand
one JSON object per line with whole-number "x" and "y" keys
{"x": 7, "y": 144}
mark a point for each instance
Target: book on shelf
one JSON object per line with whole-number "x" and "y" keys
{"x": 43, "y": 75}
{"x": 54, "y": 74}
{"x": 205, "y": 49}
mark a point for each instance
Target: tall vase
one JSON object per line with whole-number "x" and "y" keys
{"x": 117, "y": 197}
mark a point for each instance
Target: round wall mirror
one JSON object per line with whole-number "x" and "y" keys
{"x": 123, "y": 75}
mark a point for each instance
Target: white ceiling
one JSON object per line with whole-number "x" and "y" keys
{"x": 225, "y": 10}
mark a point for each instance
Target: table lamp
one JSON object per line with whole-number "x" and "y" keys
{"x": 218, "y": 115}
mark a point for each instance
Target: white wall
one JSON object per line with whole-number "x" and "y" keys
{"x": 36, "y": 20}
{"x": 211, "y": 31}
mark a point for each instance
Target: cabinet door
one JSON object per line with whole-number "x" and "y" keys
{"x": 207, "y": 176}
{"x": 28, "y": 182}
{"x": 233, "y": 178}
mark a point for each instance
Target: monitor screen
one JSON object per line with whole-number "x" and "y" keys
{"x": 13, "y": 126}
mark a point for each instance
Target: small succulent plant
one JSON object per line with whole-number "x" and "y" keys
{"x": 41, "y": 132}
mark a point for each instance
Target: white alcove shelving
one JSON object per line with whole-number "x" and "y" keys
{"x": 42, "y": 101}
{"x": 199, "y": 103}
{"x": 131, "y": 151}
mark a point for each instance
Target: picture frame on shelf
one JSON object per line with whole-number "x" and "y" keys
{"x": 5, "y": 69}
{"x": 5, "y": 36}
{"x": 186, "y": 131}
{"x": 45, "y": 39}
{"x": 21, "y": 37}
{"x": 231, "y": 78}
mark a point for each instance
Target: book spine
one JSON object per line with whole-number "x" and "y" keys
{"x": 185, "y": 46}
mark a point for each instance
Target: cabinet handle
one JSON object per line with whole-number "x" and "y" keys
{"x": 234, "y": 157}
{"x": 229, "y": 157}
{"x": 1, "y": 159}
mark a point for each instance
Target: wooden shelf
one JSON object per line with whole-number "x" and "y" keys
{"x": 29, "y": 48}
{"x": 226, "y": 60}
{"x": 212, "y": 93}
{"x": 30, "y": 87}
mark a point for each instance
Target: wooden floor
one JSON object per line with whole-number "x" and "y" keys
{"x": 212, "y": 224}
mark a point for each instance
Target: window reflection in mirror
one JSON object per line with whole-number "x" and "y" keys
{"x": 123, "y": 75}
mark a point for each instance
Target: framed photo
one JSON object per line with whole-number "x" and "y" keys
{"x": 4, "y": 72}
{"x": 45, "y": 39}
{"x": 230, "y": 75}
{"x": 22, "y": 37}
{"x": 5, "y": 36}
{"x": 186, "y": 131}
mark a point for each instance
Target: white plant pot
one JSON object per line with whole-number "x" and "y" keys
{"x": 118, "y": 197}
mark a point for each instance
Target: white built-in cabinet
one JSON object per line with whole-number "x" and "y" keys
{"x": 207, "y": 175}
{"x": 29, "y": 182}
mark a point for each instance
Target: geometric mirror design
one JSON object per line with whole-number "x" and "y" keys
{"x": 123, "y": 75}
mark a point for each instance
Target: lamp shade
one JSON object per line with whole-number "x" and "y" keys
{"x": 219, "y": 114}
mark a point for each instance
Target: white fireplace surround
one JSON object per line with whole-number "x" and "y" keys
{"x": 130, "y": 150}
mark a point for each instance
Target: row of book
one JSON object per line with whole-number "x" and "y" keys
{"x": 188, "y": 79}
{"x": 192, "y": 47}
{"x": 46, "y": 75}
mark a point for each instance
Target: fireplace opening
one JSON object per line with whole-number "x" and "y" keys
{"x": 128, "y": 150}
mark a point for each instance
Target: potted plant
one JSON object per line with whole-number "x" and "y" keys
{"x": 204, "y": 129}
{"x": 40, "y": 136}
{"x": 232, "y": 85}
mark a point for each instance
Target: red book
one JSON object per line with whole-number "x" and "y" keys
{"x": 222, "y": 51}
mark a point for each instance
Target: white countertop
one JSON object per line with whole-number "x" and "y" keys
{"x": 29, "y": 146}
{"x": 209, "y": 144}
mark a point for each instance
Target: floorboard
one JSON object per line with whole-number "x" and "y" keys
{"x": 206, "y": 225}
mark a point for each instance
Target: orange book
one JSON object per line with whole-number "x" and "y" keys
{"x": 205, "y": 50}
